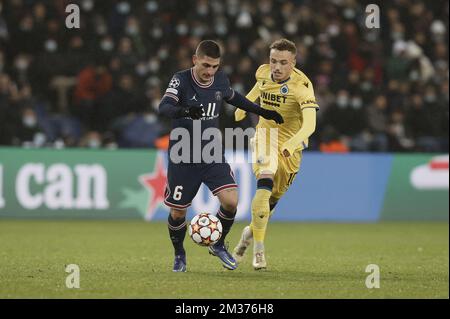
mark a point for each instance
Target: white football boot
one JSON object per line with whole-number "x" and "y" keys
{"x": 244, "y": 243}
{"x": 259, "y": 259}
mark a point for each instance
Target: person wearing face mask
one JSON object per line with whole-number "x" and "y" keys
{"x": 377, "y": 120}
{"x": 21, "y": 64}
{"x": 51, "y": 46}
{"x": 432, "y": 121}
{"x": 50, "y": 62}
{"x": 339, "y": 113}
{"x": 122, "y": 100}
{"x": 127, "y": 54}
{"x": 132, "y": 29}
{"x": 357, "y": 131}
{"x": 29, "y": 132}
{"x": 92, "y": 140}
{"x": 399, "y": 141}
{"x": 73, "y": 63}
{"x": 26, "y": 37}
{"x": 140, "y": 131}
{"x": 107, "y": 44}
{"x": 87, "y": 5}
{"x": 8, "y": 114}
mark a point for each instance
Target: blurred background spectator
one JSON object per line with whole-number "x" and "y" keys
{"x": 99, "y": 86}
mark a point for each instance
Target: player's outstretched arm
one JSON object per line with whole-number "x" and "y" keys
{"x": 253, "y": 95}
{"x": 308, "y": 128}
{"x": 168, "y": 107}
{"x": 243, "y": 103}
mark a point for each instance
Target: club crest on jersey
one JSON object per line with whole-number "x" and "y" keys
{"x": 218, "y": 95}
{"x": 174, "y": 83}
{"x": 284, "y": 89}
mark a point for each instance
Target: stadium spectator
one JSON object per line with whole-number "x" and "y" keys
{"x": 92, "y": 139}
{"x": 331, "y": 142}
{"x": 94, "y": 82}
{"x": 29, "y": 133}
{"x": 122, "y": 99}
{"x": 398, "y": 138}
{"x": 377, "y": 118}
{"x": 427, "y": 121}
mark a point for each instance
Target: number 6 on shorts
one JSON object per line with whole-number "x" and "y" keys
{"x": 177, "y": 193}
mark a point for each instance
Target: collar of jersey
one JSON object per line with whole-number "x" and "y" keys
{"x": 284, "y": 81}
{"x": 198, "y": 82}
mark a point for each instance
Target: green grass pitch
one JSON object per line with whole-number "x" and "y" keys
{"x": 133, "y": 259}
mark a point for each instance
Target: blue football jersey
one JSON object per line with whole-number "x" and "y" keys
{"x": 187, "y": 91}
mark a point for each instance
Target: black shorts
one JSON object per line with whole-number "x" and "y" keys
{"x": 184, "y": 180}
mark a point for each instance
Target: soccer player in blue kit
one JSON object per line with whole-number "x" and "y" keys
{"x": 193, "y": 99}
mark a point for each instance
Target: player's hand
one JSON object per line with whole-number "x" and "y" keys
{"x": 239, "y": 115}
{"x": 195, "y": 112}
{"x": 272, "y": 115}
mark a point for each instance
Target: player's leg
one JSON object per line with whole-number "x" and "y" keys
{"x": 247, "y": 233}
{"x": 260, "y": 218}
{"x": 265, "y": 163}
{"x": 177, "y": 231}
{"x": 264, "y": 168}
{"x": 283, "y": 178}
{"x": 220, "y": 180}
{"x": 261, "y": 206}
{"x": 182, "y": 186}
{"x": 281, "y": 181}
{"x": 244, "y": 242}
{"x": 228, "y": 199}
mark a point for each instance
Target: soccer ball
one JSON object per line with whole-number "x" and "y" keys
{"x": 205, "y": 229}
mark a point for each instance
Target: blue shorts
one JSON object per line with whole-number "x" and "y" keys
{"x": 184, "y": 180}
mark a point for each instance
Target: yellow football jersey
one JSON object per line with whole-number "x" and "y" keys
{"x": 288, "y": 98}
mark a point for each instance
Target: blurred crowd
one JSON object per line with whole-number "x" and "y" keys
{"x": 380, "y": 89}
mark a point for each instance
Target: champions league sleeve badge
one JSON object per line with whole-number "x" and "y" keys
{"x": 174, "y": 83}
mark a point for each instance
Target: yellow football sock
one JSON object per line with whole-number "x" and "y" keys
{"x": 260, "y": 214}
{"x": 251, "y": 223}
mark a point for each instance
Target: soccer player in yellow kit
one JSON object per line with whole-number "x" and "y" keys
{"x": 277, "y": 148}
